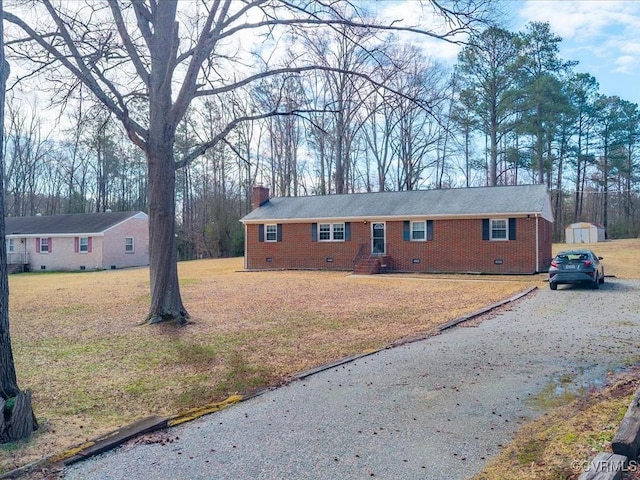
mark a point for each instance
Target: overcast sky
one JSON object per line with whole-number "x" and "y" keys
{"x": 603, "y": 35}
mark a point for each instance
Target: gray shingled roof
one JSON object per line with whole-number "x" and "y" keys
{"x": 89, "y": 223}
{"x": 502, "y": 200}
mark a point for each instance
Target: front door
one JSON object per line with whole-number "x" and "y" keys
{"x": 378, "y": 238}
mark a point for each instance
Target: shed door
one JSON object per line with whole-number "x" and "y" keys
{"x": 581, "y": 235}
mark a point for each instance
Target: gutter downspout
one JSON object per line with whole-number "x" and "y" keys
{"x": 537, "y": 244}
{"x": 246, "y": 259}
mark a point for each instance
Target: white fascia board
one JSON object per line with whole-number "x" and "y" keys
{"x": 54, "y": 235}
{"x": 137, "y": 215}
{"x": 392, "y": 218}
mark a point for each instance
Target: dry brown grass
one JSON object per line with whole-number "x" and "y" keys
{"x": 560, "y": 444}
{"x": 92, "y": 368}
{"x": 79, "y": 347}
{"x": 621, "y": 257}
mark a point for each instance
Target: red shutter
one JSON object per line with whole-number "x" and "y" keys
{"x": 50, "y": 245}
{"x": 89, "y": 245}
{"x": 76, "y": 244}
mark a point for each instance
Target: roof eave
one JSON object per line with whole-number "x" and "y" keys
{"x": 390, "y": 218}
{"x": 54, "y": 235}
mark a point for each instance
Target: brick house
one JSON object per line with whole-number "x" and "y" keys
{"x": 83, "y": 241}
{"x": 501, "y": 230}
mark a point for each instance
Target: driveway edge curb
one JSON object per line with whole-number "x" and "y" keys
{"x": 484, "y": 310}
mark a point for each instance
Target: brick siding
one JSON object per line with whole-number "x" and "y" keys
{"x": 457, "y": 246}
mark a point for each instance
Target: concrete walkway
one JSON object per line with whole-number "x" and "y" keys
{"x": 434, "y": 409}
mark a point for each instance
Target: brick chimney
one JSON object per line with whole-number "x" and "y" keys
{"x": 260, "y": 196}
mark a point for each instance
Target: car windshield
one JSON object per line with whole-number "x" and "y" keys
{"x": 568, "y": 256}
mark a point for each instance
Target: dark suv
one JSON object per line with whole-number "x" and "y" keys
{"x": 576, "y": 266}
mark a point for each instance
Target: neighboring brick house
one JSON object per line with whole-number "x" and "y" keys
{"x": 82, "y": 241}
{"x": 505, "y": 229}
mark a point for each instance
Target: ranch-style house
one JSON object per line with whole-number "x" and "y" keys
{"x": 493, "y": 230}
{"x": 82, "y": 241}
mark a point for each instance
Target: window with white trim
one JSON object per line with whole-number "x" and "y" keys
{"x": 129, "y": 245}
{"x": 83, "y": 244}
{"x": 498, "y": 229}
{"x": 10, "y": 245}
{"x": 338, "y": 232}
{"x": 324, "y": 230}
{"x": 44, "y": 245}
{"x": 271, "y": 233}
{"x": 418, "y": 231}
{"x": 331, "y": 232}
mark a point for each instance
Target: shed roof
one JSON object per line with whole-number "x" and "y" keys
{"x": 72, "y": 223}
{"x": 456, "y": 202}
{"x": 584, "y": 225}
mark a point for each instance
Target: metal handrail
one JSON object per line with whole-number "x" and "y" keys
{"x": 359, "y": 254}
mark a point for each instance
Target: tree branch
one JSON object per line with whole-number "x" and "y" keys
{"x": 128, "y": 43}
{"x": 221, "y": 136}
{"x": 82, "y": 72}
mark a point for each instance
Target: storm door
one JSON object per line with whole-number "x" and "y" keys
{"x": 378, "y": 238}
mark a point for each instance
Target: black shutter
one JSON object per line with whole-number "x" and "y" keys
{"x": 512, "y": 229}
{"x": 261, "y": 232}
{"x": 429, "y": 230}
{"x": 485, "y": 229}
{"x": 314, "y": 232}
{"x": 279, "y": 232}
{"x": 347, "y": 231}
{"x": 406, "y": 230}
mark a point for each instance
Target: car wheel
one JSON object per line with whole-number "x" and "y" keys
{"x": 553, "y": 285}
{"x": 596, "y": 284}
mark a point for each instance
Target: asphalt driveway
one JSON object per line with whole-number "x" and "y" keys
{"x": 438, "y": 408}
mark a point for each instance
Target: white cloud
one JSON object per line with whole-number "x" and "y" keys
{"x": 582, "y": 20}
{"x": 603, "y": 35}
{"x": 419, "y": 15}
{"x": 625, "y": 64}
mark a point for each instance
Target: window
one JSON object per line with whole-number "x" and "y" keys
{"x": 83, "y": 245}
{"x": 499, "y": 229}
{"x": 338, "y": 231}
{"x": 331, "y": 232}
{"x": 418, "y": 231}
{"x": 325, "y": 232}
{"x": 271, "y": 233}
{"x": 129, "y": 245}
{"x": 44, "y": 245}
{"x": 10, "y": 245}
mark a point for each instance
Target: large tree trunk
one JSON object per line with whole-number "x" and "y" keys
{"x": 17, "y": 420}
{"x": 166, "y": 302}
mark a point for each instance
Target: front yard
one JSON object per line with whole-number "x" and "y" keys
{"x": 79, "y": 347}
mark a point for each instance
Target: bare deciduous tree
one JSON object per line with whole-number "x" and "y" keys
{"x": 147, "y": 61}
{"x": 17, "y": 420}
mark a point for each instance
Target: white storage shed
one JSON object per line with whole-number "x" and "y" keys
{"x": 584, "y": 233}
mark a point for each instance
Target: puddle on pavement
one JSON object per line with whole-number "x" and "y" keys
{"x": 566, "y": 387}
